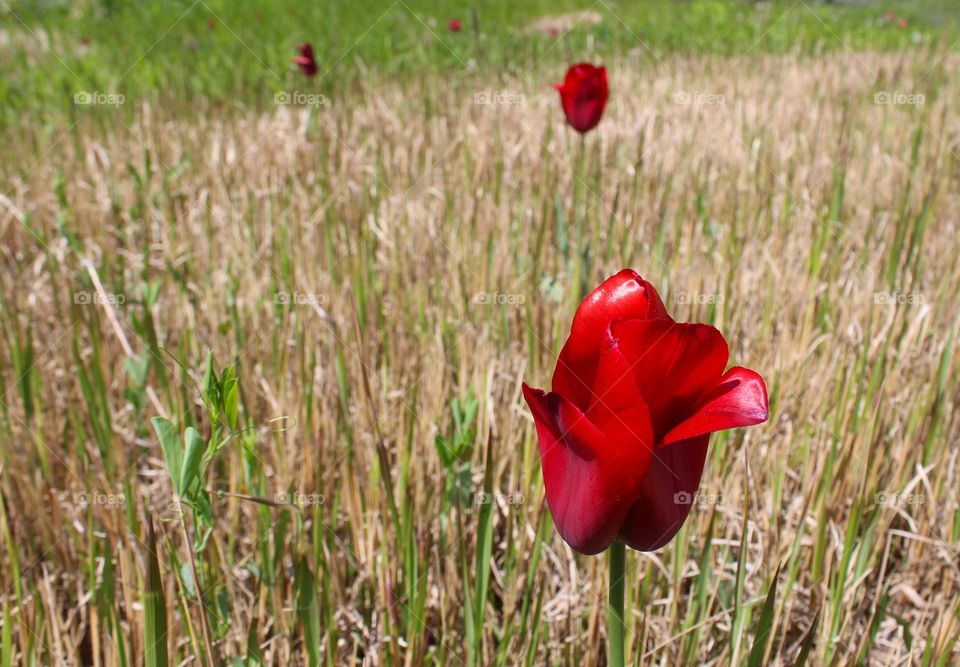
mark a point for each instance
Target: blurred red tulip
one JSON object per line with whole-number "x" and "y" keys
{"x": 902, "y": 24}
{"x": 623, "y": 435}
{"x": 583, "y": 95}
{"x": 305, "y": 60}
{"x": 454, "y": 25}
{"x": 890, "y": 16}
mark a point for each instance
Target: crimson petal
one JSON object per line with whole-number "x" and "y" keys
{"x": 590, "y": 485}
{"x": 666, "y": 495}
{"x": 739, "y": 399}
{"x": 674, "y": 365}
{"x": 623, "y": 296}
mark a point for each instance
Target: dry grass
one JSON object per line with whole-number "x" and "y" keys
{"x": 816, "y": 228}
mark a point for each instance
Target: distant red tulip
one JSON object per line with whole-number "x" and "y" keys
{"x": 623, "y": 435}
{"x": 305, "y": 60}
{"x": 583, "y": 94}
{"x": 902, "y": 24}
{"x": 454, "y": 25}
{"x": 890, "y": 16}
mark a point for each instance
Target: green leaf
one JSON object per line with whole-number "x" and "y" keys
{"x": 170, "y": 443}
{"x": 254, "y": 656}
{"x": 191, "y": 461}
{"x": 186, "y": 578}
{"x": 137, "y": 368}
{"x": 154, "y": 607}
{"x": 209, "y": 378}
{"x": 443, "y": 451}
{"x": 309, "y": 611}
{"x": 231, "y": 402}
{"x": 484, "y": 558}
{"x": 765, "y": 625}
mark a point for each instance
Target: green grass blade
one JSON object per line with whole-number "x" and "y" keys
{"x": 154, "y": 607}
{"x": 765, "y": 625}
{"x": 309, "y": 612}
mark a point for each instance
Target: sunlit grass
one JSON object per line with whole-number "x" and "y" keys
{"x": 228, "y": 55}
{"x": 337, "y": 304}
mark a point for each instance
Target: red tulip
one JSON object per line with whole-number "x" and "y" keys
{"x": 454, "y": 25}
{"x": 583, "y": 94}
{"x": 623, "y": 435}
{"x": 305, "y": 60}
{"x": 902, "y": 24}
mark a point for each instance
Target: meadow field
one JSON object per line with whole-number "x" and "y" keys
{"x": 330, "y": 290}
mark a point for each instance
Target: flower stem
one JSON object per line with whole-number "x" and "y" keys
{"x": 580, "y": 196}
{"x": 618, "y": 557}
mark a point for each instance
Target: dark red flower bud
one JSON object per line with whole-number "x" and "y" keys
{"x": 454, "y": 25}
{"x": 583, "y": 95}
{"x": 623, "y": 435}
{"x": 305, "y": 60}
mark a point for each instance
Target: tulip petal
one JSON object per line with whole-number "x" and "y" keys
{"x": 623, "y": 296}
{"x": 675, "y": 365}
{"x": 589, "y": 485}
{"x": 583, "y": 95}
{"x": 617, "y": 407}
{"x": 739, "y": 399}
{"x": 666, "y": 495}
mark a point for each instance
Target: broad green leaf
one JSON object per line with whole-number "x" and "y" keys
{"x": 191, "y": 460}
{"x": 186, "y": 578}
{"x": 231, "y": 402}
{"x": 170, "y": 443}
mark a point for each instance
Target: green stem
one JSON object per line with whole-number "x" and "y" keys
{"x": 618, "y": 559}
{"x": 579, "y": 213}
